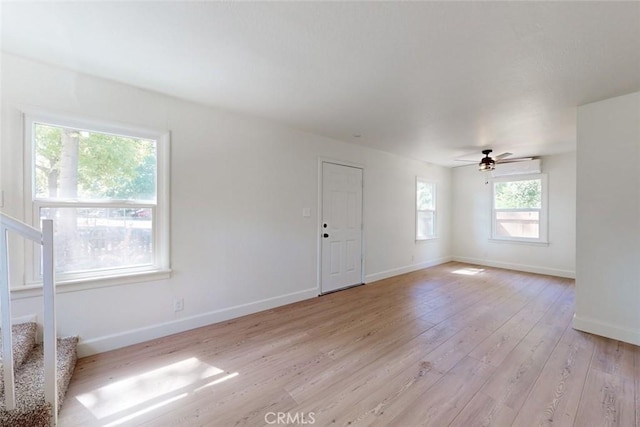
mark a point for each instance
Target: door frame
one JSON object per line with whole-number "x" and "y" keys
{"x": 321, "y": 161}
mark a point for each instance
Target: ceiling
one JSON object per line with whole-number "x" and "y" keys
{"x": 429, "y": 80}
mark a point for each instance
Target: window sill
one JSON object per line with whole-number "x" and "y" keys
{"x": 520, "y": 242}
{"x": 63, "y": 286}
{"x": 427, "y": 239}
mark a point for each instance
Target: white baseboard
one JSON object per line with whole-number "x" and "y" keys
{"x": 135, "y": 336}
{"x": 406, "y": 269}
{"x": 519, "y": 267}
{"x": 608, "y": 330}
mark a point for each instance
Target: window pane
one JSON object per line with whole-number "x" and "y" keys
{"x": 97, "y": 238}
{"x": 79, "y": 164}
{"x": 518, "y": 194}
{"x": 425, "y": 196}
{"x": 426, "y": 224}
{"x": 518, "y": 224}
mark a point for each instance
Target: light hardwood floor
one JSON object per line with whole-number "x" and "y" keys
{"x": 451, "y": 345}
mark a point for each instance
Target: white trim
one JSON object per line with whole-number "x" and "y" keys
{"x": 519, "y": 242}
{"x": 606, "y": 329}
{"x": 569, "y": 274}
{"x": 78, "y": 121}
{"x": 163, "y": 203}
{"x": 430, "y": 239}
{"x": 434, "y": 195}
{"x": 543, "y": 212}
{"x": 406, "y": 269}
{"x": 161, "y": 207}
{"x": 321, "y": 161}
{"x": 319, "y": 233}
{"x": 340, "y": 162}
{"x": 135, "y": 336}
{"x": 32, "y": 290}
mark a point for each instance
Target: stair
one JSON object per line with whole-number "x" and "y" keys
{"x": 31, "y": 409}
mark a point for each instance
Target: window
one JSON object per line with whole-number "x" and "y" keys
{"x": 519, "y": 209}
{"x": 425, "y": 209}
{"x": 105, "y": 188}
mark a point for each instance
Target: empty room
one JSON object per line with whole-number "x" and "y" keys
{"x": 319, "y": 213}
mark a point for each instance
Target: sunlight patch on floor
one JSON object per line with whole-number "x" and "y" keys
{"x": 136, "y": 390}
{"x": 145, "y": 410}
{"x": 218, "y": 381}
{"x": 468, "y": 271}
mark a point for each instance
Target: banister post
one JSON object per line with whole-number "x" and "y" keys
{"x": 49, "y": 329}
{"x": 5, "y": 306}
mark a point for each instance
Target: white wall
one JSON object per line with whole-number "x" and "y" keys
{"x": 472, "y": 222}
{"x": 239, "y": 241}
{"x": 608, "y": 226}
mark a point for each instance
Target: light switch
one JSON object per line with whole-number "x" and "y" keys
{"x": 306, "y": 212}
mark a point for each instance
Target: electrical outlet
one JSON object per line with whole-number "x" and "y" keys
{"x": 178, "y": 304}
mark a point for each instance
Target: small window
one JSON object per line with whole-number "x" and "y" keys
{"x": 105, "y": 189}
{"x": 425, "y": 209}
{"x": 519, "y": 209}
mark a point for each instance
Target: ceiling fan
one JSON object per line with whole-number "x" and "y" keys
{"x": 488, "y": 164}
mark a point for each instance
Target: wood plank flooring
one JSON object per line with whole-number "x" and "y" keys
{"x": 455, "y": 344}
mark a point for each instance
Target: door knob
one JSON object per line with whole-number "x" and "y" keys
{"x": 325, "y": 235}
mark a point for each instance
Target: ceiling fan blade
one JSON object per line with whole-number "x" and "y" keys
{"x": 502, "y": 156}
{"x": 466, "y": 160}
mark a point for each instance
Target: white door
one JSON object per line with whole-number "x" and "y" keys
{"x": 341, "y": 227}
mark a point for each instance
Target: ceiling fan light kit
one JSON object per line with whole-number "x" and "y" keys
{"x": 487, "y": 163}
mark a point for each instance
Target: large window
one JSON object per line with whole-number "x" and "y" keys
{"x": 105, "y": 188}
{"x": 519, "y": 209}
{"x": 425, "y": 209}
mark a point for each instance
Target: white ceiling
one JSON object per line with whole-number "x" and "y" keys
{"x": 429, "y": 80}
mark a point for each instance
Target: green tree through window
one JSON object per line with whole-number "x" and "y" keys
{"x": 518, "y": 194}
{"x": 72, "y": 163}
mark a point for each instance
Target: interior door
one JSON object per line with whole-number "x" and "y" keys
{"x": 341, "y": 227}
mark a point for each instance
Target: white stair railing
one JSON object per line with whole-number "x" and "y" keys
{"x": 44, "y": 238}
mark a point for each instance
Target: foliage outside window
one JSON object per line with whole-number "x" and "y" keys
{"x": 425, "y": 209}
{"x": 104, "y": 189}
{"x": 519, "y": 211}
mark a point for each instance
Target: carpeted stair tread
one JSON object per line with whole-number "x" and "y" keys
{"x": 24, "y": 338}
{"x": 31, "y": 408}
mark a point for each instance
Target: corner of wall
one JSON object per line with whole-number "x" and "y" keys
{"x": 605, "y": 329}
{"x": 406, "y": 269}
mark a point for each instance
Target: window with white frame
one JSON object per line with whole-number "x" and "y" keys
{"x": 425, "y": 209}
{"x": 106, "y": 189}
{"x": 519, "y": 208}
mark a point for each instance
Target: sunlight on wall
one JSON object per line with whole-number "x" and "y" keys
{"x": 468, "y": 271}
{"x": 149, "y": 391}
